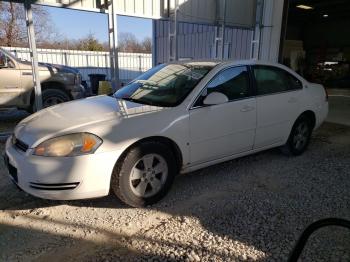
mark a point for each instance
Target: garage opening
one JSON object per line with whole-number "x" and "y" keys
{"x": 317, "y": 45}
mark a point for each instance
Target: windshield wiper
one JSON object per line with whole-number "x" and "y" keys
{"x": 129, "y": 99}
{"x": 136, "y": 100}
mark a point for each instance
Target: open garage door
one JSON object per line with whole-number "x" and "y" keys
{"x": 317, "y": 45}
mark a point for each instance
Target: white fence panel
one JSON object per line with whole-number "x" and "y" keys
{"x": 131, "y": 65}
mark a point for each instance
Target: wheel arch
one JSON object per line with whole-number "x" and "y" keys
{"x": 50, "y": 85}
{"x": 171, "y": 144}
{"x": 311, "y": 116}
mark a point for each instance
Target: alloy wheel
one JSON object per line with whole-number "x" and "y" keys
{"x": 148, "y": 175}
{"x": 301, "y": 135}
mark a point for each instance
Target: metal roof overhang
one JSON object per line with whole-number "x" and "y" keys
{"x": 140, "y": 8}
{"x": 239, "y": 12}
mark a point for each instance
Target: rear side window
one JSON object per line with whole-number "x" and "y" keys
{"x": 294, "y": 83}
{"x": 271, "y": 80}
{"x": 232, "y": 82}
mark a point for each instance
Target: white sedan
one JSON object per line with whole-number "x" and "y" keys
{"x": 175, "y": 118}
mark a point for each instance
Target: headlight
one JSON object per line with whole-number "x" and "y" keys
{"x": 69, "y": 145}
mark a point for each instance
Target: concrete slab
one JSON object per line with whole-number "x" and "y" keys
{"x": 339, "y": 106}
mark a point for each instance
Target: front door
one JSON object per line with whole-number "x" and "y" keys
{"x": 221, "y": 130}
{"x": 10, "y": 81}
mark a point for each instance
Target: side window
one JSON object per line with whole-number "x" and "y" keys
{"x": 293, "y": 82}
{"x": 3, "y": 59}
{"x": 270, "y": 80}
{"x": 5, "y": 62}
{"x": 232, "y": 82}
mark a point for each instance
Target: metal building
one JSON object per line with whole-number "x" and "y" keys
{"x": 194, "y": 28}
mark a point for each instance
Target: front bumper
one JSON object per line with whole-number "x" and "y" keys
{"x": 61, "y": 178}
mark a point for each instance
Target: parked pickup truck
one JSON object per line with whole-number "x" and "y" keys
{"x": 59, "y": 83}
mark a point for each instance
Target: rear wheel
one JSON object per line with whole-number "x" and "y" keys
{"x": 145, "y": 175}
{"x": 299, "y": 138}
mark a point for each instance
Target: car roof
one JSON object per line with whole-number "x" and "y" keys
{"x": 213, "y": 62}
{"x": 219, "y": 64}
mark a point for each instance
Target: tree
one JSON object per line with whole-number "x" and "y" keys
{"x": 13, "y": 27}
{"x": 127, "y": 42}
{"x": 90, "y": 43}
{"x": 147, "y": 45}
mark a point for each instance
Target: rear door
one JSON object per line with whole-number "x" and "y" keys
{"x": 225, "y": 129}
{"x": 278, "y": 101}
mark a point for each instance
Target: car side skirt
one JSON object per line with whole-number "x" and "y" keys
{"x": 192, "y": 168}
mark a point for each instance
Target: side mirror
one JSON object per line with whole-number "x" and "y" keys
{"x": 215, "y": 98}
{"x": 3, "y": 61}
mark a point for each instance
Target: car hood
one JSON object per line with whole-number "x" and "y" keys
{"x": 50, "y": 67}
{"x": 71, "y": 116}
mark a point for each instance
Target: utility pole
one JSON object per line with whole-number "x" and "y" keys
{"x": 223, "y": 33}
{"x": 219, "y": 41}
{"x": 33, "y": 55}
{"x": 256, "y": 42}
{"x": 173, "y": 46}
{"x": 113, "y": 44}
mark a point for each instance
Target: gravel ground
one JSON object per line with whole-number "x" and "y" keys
{"x": 249, "y": 209}
{"x": 10, "y": 118}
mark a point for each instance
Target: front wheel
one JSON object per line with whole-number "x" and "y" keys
{"x": 50, "y": 97}
{"x": 299, "y": 138}
{"x": 145, "y": 174}
{"x": 53, "y": 97}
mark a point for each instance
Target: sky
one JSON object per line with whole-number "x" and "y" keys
{"x": 75, "y": 24}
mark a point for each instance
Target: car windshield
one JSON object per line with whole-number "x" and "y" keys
{"x": 164, "y": 85}
{"x": 8, "y": 54}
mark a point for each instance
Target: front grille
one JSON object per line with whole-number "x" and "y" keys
{"x": 19, "y": 144}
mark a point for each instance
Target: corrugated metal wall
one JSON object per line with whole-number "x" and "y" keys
{"x": 141, "y": 8}
{"x": 196, "y": 11}
{"x": 196, "y": 41}
{"x": 237, "y": 12}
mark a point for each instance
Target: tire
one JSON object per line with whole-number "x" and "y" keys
{"x": 50, "y": 97}
{"x": 135, "y": 180}
{"x": 299, "y": 137}
{"x": 53, "y": 97}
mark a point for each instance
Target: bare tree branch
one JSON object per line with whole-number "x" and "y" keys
{"x": 13, "y": 28}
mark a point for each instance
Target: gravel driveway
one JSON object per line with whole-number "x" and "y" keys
{"x": 249, "y": 209}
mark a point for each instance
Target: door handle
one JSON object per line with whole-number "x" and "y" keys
{"x": 292, "y": 100}
{"x": 247, "y": 108}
